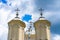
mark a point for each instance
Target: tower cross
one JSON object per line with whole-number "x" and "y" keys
{"x": 17, "y": 12}
{"x": 41, "y": 11}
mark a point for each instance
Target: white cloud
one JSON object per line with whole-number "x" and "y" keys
{"x": 3, "y": 30}
{"x": 55, "y": 37}
{"x": 3, "y": 16}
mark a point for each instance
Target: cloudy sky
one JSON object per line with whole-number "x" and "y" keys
{"x": 29, "y": 12}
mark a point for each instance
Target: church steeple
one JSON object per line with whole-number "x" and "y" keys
{"x": 16, "y": 28}
{"x": 42, "y": 28}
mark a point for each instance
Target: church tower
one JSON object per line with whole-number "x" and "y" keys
{"x": 29, "y": 35}
{"x": 16, "y": 28}
{"x": 42, "y": 28}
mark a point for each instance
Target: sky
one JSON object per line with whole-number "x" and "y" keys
{"x": 29, "y": 11}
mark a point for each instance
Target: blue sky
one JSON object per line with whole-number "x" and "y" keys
{"x": 3, "y": 1}
{"x": 27, "y": 17}
{"x": 29, "y": 12}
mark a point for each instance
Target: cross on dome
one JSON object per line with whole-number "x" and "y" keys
{"x": 41, "y": 12}
{"x": 17, "y": 10}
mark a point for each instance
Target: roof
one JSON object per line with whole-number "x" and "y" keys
{"x": 17, "y": 21}
{"x": 42, "y": 20}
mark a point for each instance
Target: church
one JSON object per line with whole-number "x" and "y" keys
{"x": 16, "y": 29}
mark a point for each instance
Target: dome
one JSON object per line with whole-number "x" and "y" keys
{"x": 42, "y": 20}
{"x": 17, "y": 20}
